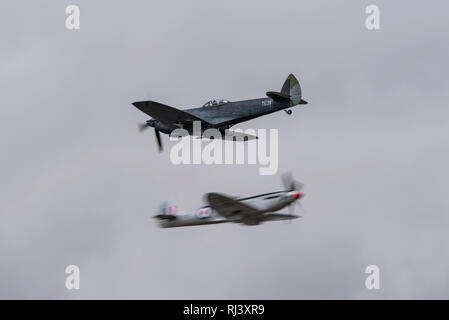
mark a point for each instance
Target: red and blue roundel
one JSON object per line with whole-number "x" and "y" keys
{"x": 204, "y": 212}
{"x": 170, "y": 210}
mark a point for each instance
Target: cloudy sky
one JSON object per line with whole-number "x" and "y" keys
{"x": 79, "y": 183}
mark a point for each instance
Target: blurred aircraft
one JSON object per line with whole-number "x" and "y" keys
{"x": 251, "y": 210}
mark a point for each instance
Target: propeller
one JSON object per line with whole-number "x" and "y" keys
{"x": 158, "y": 138}
{"x": 291, "y": 185}
{"x": 291, "y": 207}
{"x": 150, "y": 123}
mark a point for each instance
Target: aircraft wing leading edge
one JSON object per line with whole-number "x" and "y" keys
{"x": 228, "y": 207}
{"x": 166, "y": 114}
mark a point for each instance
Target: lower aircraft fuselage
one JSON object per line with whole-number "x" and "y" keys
{"x": 273, "y": 201}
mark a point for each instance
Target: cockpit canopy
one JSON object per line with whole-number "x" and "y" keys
{"x": 216, "y": 102}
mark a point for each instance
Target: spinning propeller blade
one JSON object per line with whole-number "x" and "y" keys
{"x": 146, "y": 125}
{"x": 289, "y": 183}
{"x": 158, "y": 138}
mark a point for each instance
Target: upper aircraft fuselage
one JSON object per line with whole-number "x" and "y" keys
{"x": 220, "y": 114}
{"x": 230, "y": 113}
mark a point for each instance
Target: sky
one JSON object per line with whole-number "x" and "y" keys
{"x": 80, "y": 184}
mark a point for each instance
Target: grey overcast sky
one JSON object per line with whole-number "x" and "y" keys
{"x": 79, "y": 184}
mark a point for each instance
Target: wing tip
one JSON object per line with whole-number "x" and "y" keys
{"x": 210, "y": 195}
{"x": 139, "y": 104}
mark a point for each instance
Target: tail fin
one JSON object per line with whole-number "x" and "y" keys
{"x": 292, "y": 88}
{"x": 167, "y": 211}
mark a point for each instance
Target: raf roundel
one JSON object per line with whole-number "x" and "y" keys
{"x": 204, "y": 212}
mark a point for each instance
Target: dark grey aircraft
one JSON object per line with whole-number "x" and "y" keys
{"x": 219, "y": 113}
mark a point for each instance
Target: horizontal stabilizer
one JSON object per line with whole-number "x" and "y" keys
{"x": 165, "y": 217}
{"x": 278, "y": 95}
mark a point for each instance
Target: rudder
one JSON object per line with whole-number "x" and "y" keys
{"x": 167, "y": 211}
{"x": 292, "y": 88}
